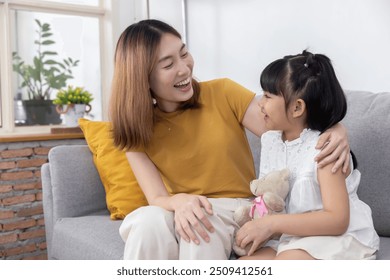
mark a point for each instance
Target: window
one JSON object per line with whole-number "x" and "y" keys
{"x": 1, "y": 111}
{"x": 0, "y": 100}
{"x": 83, "y": 2}
{"x": 62, "y": 37}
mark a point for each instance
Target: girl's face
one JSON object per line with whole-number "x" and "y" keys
{"x": 291, "y": 121}
{"x": 171, "y": 78}
{"x": 273, "y": 108}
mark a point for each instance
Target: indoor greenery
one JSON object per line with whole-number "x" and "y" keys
{"x": 73, "y": 95}
{"x": 47, "y": 72}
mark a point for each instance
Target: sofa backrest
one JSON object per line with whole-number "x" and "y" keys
{"x": 368, "y": 124}
{"x": 76, "y": 186}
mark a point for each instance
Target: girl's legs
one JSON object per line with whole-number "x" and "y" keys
{"x": 295, "y": 254}
{"x": 265, "y": 253}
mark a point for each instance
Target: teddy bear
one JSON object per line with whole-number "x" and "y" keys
{"x": 270, "y": 193}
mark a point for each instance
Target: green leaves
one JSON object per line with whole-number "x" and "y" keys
{"x": 47, "y": 42}
{"x": 49, "y": 53}
{"x": 73, "y": 95}
{"x": 47, "y": 71}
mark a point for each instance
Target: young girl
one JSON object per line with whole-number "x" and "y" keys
{"x": 187, "y": 146}
{"x": 325, "y": 218}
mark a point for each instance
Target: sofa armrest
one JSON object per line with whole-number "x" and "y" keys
{"x": 47, "y": 205}
{"x": 71, "y": 187}
{"x": 76, "y": 188}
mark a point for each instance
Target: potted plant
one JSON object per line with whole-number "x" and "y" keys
{"x": 74, "y": 102}
{"x": 45, "y": 74}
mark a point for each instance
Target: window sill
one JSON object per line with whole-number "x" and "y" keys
{"x": 56, "y": 134}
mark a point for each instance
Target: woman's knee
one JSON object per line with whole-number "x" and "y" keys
{"x": 147, "y": 219}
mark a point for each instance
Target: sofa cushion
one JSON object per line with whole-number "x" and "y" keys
{"x": 123, "y": 193}
{"x": 369, "y": 134}
{"x": 96, "y": 238}
{"x": 73, "y": 197}
{"x": 384, "y": 250}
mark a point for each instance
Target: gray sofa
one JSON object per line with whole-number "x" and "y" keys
{"x": 78, "y": 225}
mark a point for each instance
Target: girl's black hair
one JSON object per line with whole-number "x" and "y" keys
{"x": 310, "y": 77}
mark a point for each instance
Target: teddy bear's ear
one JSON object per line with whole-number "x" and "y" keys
{"x": 284, "y": 173}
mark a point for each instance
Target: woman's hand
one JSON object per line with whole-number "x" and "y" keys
{"x": 257, "y": 232}
{"x": 190, "y": 210}
{"x": 334, "y": 146}
{"x": 191, "y": 216}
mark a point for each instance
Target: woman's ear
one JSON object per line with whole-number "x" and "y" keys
{"x": 299, "y": 108}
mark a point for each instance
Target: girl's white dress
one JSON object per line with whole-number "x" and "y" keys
{"x": 360, "y": 241}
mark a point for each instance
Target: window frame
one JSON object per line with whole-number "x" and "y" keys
{"x": 102, "y": 13}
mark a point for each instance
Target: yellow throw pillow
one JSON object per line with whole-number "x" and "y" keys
{"x": 123, "y": 194}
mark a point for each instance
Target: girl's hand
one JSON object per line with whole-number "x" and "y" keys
{"x": 257, "y": 232}
{"x": 191, "y": 217}
{"x": 334, "y": 147}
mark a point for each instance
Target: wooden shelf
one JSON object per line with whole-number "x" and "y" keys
{"x": 42, "y": 136}
{"x": 66, "y": 130}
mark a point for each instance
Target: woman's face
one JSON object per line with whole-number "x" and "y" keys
{"x": 171, "y": 78}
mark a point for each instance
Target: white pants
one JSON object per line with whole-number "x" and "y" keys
{"x": 149, "y": 233}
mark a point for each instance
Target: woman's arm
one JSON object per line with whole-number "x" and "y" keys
{"x": 189, "y": 214}
{"x": 253, "y": 119}
{"x": 332, "y": 220}
{"x": 334, "y": 146}
{"x": 333, "y": 142}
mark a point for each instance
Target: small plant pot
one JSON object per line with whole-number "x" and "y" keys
{"x": 40, "y": 112}
{"x": 73, "y": 112}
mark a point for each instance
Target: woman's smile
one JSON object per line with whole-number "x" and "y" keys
{"x": 184, "y": 85}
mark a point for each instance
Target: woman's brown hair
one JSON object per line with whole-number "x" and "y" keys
{"x": 131, "y": 103}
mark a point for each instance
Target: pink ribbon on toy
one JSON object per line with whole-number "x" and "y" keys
{"x": 259, "y": 206}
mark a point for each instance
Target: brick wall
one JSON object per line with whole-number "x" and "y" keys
{"x": 22, "y": 226}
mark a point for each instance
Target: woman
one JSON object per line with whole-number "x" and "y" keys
{"x": 187, "y": 146}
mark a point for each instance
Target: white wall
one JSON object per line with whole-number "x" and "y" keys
{"x": 126, "y": 12}
{"x": 238, "y": 38}
{"x": 171, "y": 11}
